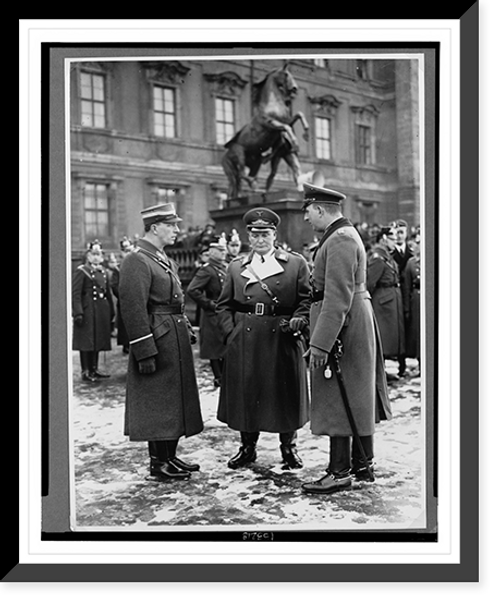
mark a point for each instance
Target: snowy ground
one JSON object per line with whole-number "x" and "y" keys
{"x": 113, "y": 491}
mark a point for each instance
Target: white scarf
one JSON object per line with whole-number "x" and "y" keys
{"x": 265, "y": 269}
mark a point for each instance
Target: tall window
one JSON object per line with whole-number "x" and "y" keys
{"x": 365, "y": 132}
{"x": 323, "y": 137}
{"x": 92, "y": 100}
{"x": 166, "y": 195}
{"x": 96, "y": 207}
{"x": 224, "y": 119}
{"x": 364, "y": 145}
{"x": 164, "y": 110}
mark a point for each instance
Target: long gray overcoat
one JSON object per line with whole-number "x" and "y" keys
{"x": 92, "y": 299}
{"x": 264, "y": 383}
{"x": 383, "y": 282}
{"x": 204, "y": 289}
{"x": 346, "y": 313}
{"x": 164, "y": 404}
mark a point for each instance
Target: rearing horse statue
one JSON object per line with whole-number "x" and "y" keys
{"x": 269, "y": 137}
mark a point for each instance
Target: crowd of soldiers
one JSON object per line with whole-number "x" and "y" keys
{"x": 273, "y": 324}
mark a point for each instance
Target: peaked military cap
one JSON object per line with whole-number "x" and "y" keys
{"x": 399, "y": 224}
{"x": 319, "y": 194}
{"x": 165, "y": 212}
{"x": 261, "y": 218}
{"x": 219, "y": 242}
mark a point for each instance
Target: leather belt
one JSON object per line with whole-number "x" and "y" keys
{"x": 389, "y": 286}
{"x": 166, "y": 308}
{"x": 261, "y": 309}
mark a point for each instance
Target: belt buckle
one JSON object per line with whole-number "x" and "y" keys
{"x": 259, "y": 309}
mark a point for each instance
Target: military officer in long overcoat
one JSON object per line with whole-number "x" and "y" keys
{"x": 401, "y": 253}
{"x": 383, "y": 282}
{"x": 204, "y": 289}
{"x": 263, "y": 309}
{"x": 411, "y": 301}
{"x": 121, "y": 333}
{"x": 341, "y": 310}
{"x": 162, "y": 402}
{"x": 93, "y": 312}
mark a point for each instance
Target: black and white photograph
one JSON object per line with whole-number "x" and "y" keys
{"x": 207, "y": 391}
{"x": 250, "y": 333}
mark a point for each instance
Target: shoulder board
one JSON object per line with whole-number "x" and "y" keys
{"x": 281, "y": 255}
{"x": 83, "y": 269}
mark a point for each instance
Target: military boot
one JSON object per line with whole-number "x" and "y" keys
{"x": 175, "y": 460}
{"x": 160, "y": 466}
{"x": 247, "y": 452}
{"x": 289, "y": 453}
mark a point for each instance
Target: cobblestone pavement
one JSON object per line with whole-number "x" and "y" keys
{"x": 113, "y": 490}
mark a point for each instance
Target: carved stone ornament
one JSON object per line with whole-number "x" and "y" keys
{"x": 93, "y": 66}
{"x": 169, "y": 72}
{"x": 327, "y": 103}
{"x": 227, "y": 82}
{"x": 97, "y": 144}
{"x": 366, "y": 112}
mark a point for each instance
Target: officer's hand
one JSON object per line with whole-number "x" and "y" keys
{"x": 148, "y": 365}
{"x": 317, "y": 357}
{"x": 192, "y": 338}
{"x": 297, "y": 324}
{"x": 78, "y": 320}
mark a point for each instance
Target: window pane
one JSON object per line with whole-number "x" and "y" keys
{"x": 99, "y": 121}
{"x": 98, "y": 87}
{"x": 164, "y": 110}
{"x": 96, "y": 204}
{"x": 169, "y": 126}
{"x": 85, "y": 85}
{"x": 224, "y": 119}
{"x": 322, "y": 128}
{"x": 168, "y": 101}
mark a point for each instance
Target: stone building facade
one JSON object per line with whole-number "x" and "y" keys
{"x": 143, "y": 132}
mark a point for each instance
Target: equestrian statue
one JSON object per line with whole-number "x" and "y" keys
{"x": 269, "y": 137}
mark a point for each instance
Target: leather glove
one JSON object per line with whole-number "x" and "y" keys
{"x": 78, "y": 320}
{"x": 297, "y": 324}
{"x": 192, "y": 338}
{"x": 147, "y": 366}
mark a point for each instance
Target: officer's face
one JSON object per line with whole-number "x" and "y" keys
{"x": 401, "y": 234}
{"x": 263, "y": 241}
{"x": 166, "y": 233}
{"x": 233, "y": 248}
{"x": 217, "y": 253}
{"x": 390, "y": 240}
{"x": 95, "y": 257}
{"x": 312, "y": 215}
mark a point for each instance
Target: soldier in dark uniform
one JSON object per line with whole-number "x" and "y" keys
{"x": 341, "y": 310}
{"x": 121, "y": 333}
{"x": 162, "y": 401}
{"x": 263, "y": 307}
{"x": 93, "y": 312}
{"x": 233, "y": 246}
{"x": 204, "y": 289}
{"x": 401, "y": 253}
{"x": 411, "y": 300}
{"x": 383, "y": 283}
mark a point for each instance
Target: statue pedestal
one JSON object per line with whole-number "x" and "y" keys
{"x": 292, "y": 229}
